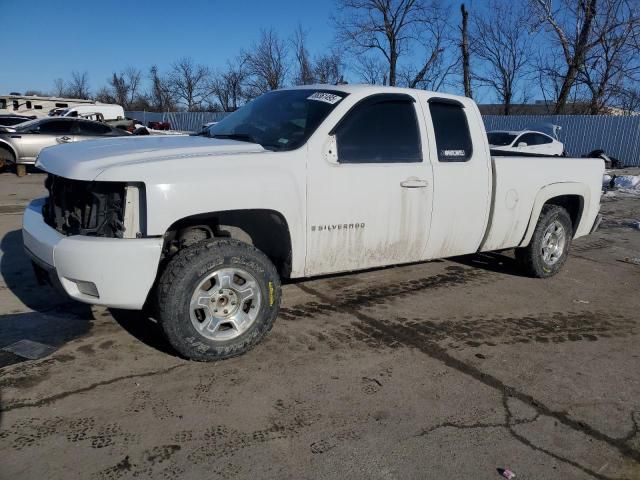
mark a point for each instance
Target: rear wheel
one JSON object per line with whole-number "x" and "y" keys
{"x": 217, "y": 299}
{"x": 549, "y": 246}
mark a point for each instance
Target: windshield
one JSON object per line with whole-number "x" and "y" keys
{"x": 500, "y": 139}
{"x": 279, "y": 120}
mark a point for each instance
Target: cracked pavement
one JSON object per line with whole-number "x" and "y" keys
{"x": 451, "y": 368}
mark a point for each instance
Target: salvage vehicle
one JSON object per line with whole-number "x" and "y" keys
{"x": 108, "y": 111}
{"x": 300, "y": 182}
{"x": 21, "y": 144}
{"x": 525, "y": 141}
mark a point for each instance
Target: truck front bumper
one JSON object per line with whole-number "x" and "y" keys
{"x": 114, "y": 272}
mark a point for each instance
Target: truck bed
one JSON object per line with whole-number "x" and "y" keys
{"x": 523, "y": 183}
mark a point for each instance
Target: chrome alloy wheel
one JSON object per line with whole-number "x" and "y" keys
{"x": 554, "y": 241}
{"x": 225, "y": 304}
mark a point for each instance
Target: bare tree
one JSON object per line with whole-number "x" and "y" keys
{"x": 613, "y": 62}
{"x": 391, "y": 28}
{"x": 371, "y": 70}
{"x": 464, "y": 47}
{"x": 124, "y": 87}
{"x": 36, "y": 93}
{"x": 328, "y": 68}
{"x": 161, "y": 97}
{"x": 434, "y": 41}
{"x": 105, "y": 95}
{"x": 59, "y": 88}
{"x": 505, "y": 52}
{"x": 572, "y": 27}
{"x": 266, "y": 63}
{"x": 305, "y": 73}
{"x": 78, "y": 86}
{"x": 228, "y": 85}
{"x": 189, "y": 83}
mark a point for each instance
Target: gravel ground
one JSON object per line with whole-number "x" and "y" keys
{"x": 446, "y": 369}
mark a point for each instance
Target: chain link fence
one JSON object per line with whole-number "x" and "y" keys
{"x": 183, "y": 121}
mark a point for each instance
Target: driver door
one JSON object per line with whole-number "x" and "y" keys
{"x": 369, "y": 188}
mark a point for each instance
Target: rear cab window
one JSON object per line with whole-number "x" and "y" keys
{"x": 453, "y": 138}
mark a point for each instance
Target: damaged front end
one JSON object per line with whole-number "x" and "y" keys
{"x": 77, "y": 207}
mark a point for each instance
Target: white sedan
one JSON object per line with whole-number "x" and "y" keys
{"x": 525, "y": 141}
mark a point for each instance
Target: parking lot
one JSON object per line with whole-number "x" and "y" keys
{"x": 447, "y": 369}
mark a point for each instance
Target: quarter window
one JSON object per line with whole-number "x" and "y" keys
{"x": 384, "y": 131}
{"x": 453, "y": 139}
{"x": 532, "y": 139}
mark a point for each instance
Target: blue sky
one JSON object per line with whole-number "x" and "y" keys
{"x": 51, "y": 38}
{"x": 45, "y": 40}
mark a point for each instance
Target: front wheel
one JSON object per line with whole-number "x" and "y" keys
{"x": 549, "y": 246}
{"x": 217, "y": 299}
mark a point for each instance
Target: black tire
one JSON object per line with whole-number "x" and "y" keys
{"x": 183, "y": 276}
{"x": 6, "y": 158}
{"x": 531, "y": 257}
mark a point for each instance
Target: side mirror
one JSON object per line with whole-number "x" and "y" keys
{"x": 522, "y": 144}
{"x": 330, "y": 150}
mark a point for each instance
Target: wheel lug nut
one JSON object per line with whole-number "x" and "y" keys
{"x": 226, "y": 311}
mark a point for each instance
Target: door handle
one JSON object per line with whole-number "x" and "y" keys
{"x": 414, "y": 183}
{"x": 64, "y": 139}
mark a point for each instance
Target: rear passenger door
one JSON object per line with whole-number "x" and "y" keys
{"x": 461, "y": 175}
{"x": 369, "y": 187}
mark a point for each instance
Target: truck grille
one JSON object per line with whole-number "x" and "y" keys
{"x": 77, "y": 207}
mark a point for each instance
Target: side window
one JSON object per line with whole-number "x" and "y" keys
{"x": 543, "y": 139}
{"x": 528, "y": 138}
{"x": 3, "y": 103}
{"x": 380, "y": 132}
{"x": 90, "y": 128}
{"x": 56, "y": 127}
{"x": 453, "y": 139}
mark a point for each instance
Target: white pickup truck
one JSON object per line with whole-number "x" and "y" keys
{"x": 299, "y": 182}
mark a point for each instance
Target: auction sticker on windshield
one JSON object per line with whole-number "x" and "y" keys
{"x": 325, "y": 97}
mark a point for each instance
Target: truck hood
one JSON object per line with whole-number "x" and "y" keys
{"x": 88, "y": 159}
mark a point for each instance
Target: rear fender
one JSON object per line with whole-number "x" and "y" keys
{"x": 551, "y": 191}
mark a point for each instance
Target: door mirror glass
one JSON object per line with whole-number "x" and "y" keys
{"x": 522, "y": 144}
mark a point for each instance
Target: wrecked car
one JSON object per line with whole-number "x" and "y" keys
{"x": 21, "y": 144}
{"x": 300, "y": 182}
